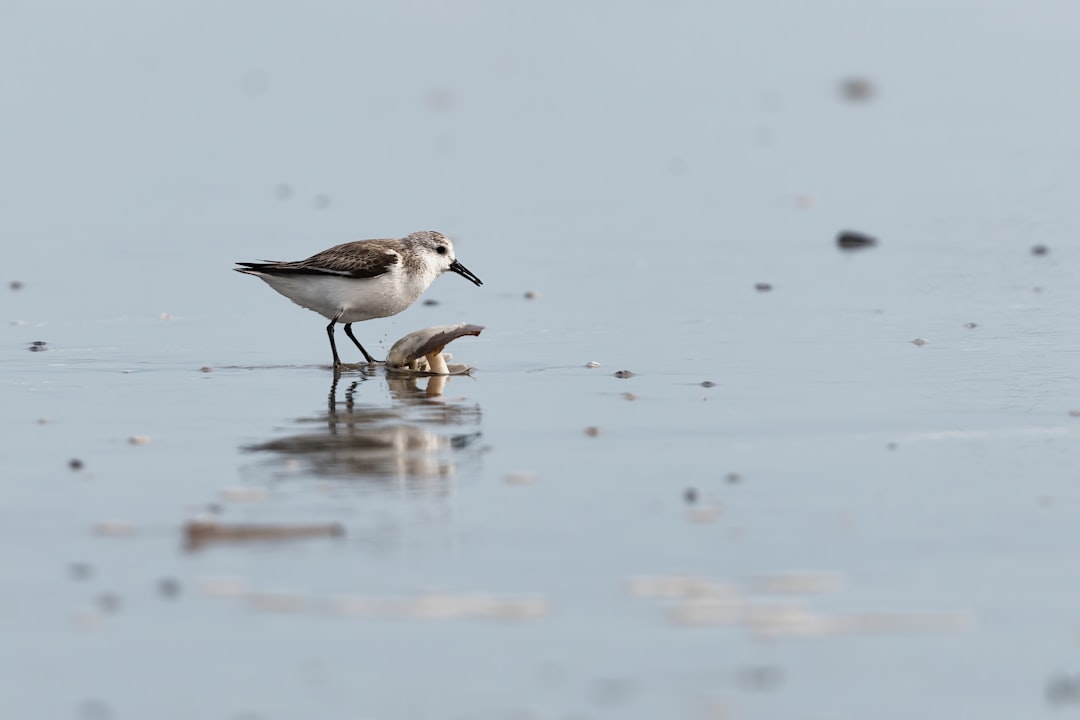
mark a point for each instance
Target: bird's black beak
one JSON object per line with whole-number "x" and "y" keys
{"x": 464, "y": 272}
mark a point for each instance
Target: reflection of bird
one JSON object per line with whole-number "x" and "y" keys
{"x": 362, "y": 280}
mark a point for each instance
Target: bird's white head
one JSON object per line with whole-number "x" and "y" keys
{"x": 440, "y": 253}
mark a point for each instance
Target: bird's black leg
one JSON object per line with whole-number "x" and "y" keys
{"x": 333, "y": 345}
{"x": 348, "y": 331}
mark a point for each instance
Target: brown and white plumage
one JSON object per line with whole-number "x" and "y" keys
{"x": 362, "y": 280}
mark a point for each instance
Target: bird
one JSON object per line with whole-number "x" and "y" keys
{"x": 362, "y": 280}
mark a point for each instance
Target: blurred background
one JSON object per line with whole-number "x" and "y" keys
{"x": 785, "y": 508}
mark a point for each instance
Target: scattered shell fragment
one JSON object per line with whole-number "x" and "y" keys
{"x": 629, "y": 396}
{"x": 244, "y": 494}
{"x": 422, "y": 351}
{"x": 593, "y": 431}
{"x": 919, "y": 342}
{"x": 201, "y": 532}
{"x": 851, "y": 240}
{"x": 705, "y": 514}
{"x": 520, "y": 478}
{"x": 592, "y": 364}
{"x": 970, "y": 325}
{"x": 531, "y": 295}
{"x": 113, "y": 529}
{"x": 1074, "y": 413}
{"x": 798, "y": 583}
{"x": 140, "y": 440}
{"x": 279, "y": 601}
{"x": 623, "y": 374}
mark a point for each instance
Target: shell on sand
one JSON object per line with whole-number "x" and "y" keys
{"x": 422, "y": 351}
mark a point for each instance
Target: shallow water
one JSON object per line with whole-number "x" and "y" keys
{"x": 788, "y": 509}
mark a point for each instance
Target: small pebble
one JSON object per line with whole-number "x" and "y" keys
{"x": 891, "y": 446}
{"x": 690, "y": 496}
{"x": 733, "y": 478}
{"x": 283, "y": 191}
{"x": 80, "y": 571}
{"x": 592, "y": 431}
{"x": 761, "y": 678}
{"x": 1039, "y": 250}
{"x": 1074, "y": 413}
{"x": 37, "y": 346}
{"x": 139, "y": 440}
{"x": 206, "y": 369}
{"x": 108, "y": 603}
{"x": 762, "y": 287}
{"x": 75, "y": 464}
{"x": 431, "y": 302}
{"x": 169, "y": 587}
{"x": 95, "y": 710}
{"x": 708, "y": 384}
{"x": 851, "y": 240}
{"x": 592, "y": 364}
{"x": 970, "y": 325}
{"x": 531, "y": 295}
{"x": 15, "y": 285}
{"x": 322, "y": 201}
{"x": 920, "y": 342}
{"x": 856, "y": 89}
{"x": 166, "y": 316}
{"x": 623, "y": 374}
{"x": 629, "y": 396}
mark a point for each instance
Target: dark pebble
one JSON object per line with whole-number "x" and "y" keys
{"x": 1063, "y": 690}
{"x": 733, "y": 478}
{"x": 37, "y": 346}
{"x": 80, "y": 571}
{"x": 763, "y": 287}
{"x": 108, "y": 603}
{"x": 15, "y": 285}
{"x": 1039, "y": 250}
{"x": 708, "y": 384}
{"x": 850, "y": 240}
{"x": 75, "y": 464}
{"x": 690, "y": 496}
{"x": 856, "y": 89}
{"x": 95, "y": 710}
{"x": 169, "y": 587}
{"x": 763, "y": 678}
{"x": 623, "y": 374}
{"x": 430, "y": 303}
{"x": 206, "y": 369}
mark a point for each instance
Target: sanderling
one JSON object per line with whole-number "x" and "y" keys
{"x": 362, "y": 280}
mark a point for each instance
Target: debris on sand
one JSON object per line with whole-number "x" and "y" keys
{"x": 851, "y": 240}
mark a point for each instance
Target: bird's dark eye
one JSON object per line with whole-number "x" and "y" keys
{"x": 441, "y": 249}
